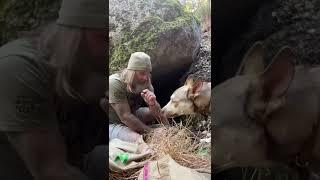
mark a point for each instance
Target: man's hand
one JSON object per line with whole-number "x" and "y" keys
{"x": 155, "y": 108}
{"x": 149, "y": 97}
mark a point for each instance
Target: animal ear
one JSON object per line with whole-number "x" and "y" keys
{"x": 252, "y": 62}
{"x": 197, "y": 87}
{"x": 194, "y": 90}
{"x": 278, "y": 76}
{"x": 268, "y": 94}
{"x": 190, "y": 80}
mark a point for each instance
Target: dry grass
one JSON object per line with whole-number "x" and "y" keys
{"x": 181, "y": 144}
{"x": 178, "y": 142}
{"x": 128, "y": 175}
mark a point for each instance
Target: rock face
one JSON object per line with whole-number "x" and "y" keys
{"x": 18, "y": 16}
{"x": 277, "y": 23}
{"x": 230, "y": 22}
{"x": 296, "y": 24}
{"x": 162, "y": 29}
{"x": 201, "y": 67}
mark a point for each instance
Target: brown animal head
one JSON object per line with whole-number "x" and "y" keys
{"x": 245, "y": 104}
{"x": 193, "y": 97}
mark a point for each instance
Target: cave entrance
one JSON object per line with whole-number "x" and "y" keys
{"x": 166, "y": 84}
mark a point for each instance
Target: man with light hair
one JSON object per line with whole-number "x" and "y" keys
{"x": 129, "y": 90}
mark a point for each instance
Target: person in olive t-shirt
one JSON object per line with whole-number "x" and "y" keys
{"x": 66, "y": 63}
{"x": 129, "y": 90}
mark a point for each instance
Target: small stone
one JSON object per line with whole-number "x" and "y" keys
{"x": 307, "y": 14}
{"x": 203, "y": 123}
{"x": 311, "y": 31}
{"x": 297, "y": 5}
{"x": 205, "y": 140}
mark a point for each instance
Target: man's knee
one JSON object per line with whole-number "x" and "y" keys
{"x": 144, "y": 115}
{"x": 123, "y": 133}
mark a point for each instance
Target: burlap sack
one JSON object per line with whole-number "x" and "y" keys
{"x": 167, "y": 169}
{"x": 135, "y": 155}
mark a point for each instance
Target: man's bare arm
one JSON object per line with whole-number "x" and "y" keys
{"x": 44, "y": 154}
{"x": 123, "y": 111}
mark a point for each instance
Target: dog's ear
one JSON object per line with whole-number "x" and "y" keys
{"x": 196, "y": 87}
{"x": 253, "y": 62}
{"x": 194, "y": 90}
{"x": 190, "y": 80}
{"x": 268, "y": 93}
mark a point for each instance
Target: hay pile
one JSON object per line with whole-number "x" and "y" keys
{"x": 181, "y": 144}
{"x": 129, "y": 175}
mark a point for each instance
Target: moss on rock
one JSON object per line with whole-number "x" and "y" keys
{"x": 23, "y": 15}
{"x": 145, "y": 37}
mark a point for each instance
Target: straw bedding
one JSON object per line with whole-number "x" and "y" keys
{"x": 181, "y": 144}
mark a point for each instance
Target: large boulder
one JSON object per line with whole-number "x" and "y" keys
{"x": 162, "y": 29}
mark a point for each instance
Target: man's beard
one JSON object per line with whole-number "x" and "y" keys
{"x": 137, "y": 88}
